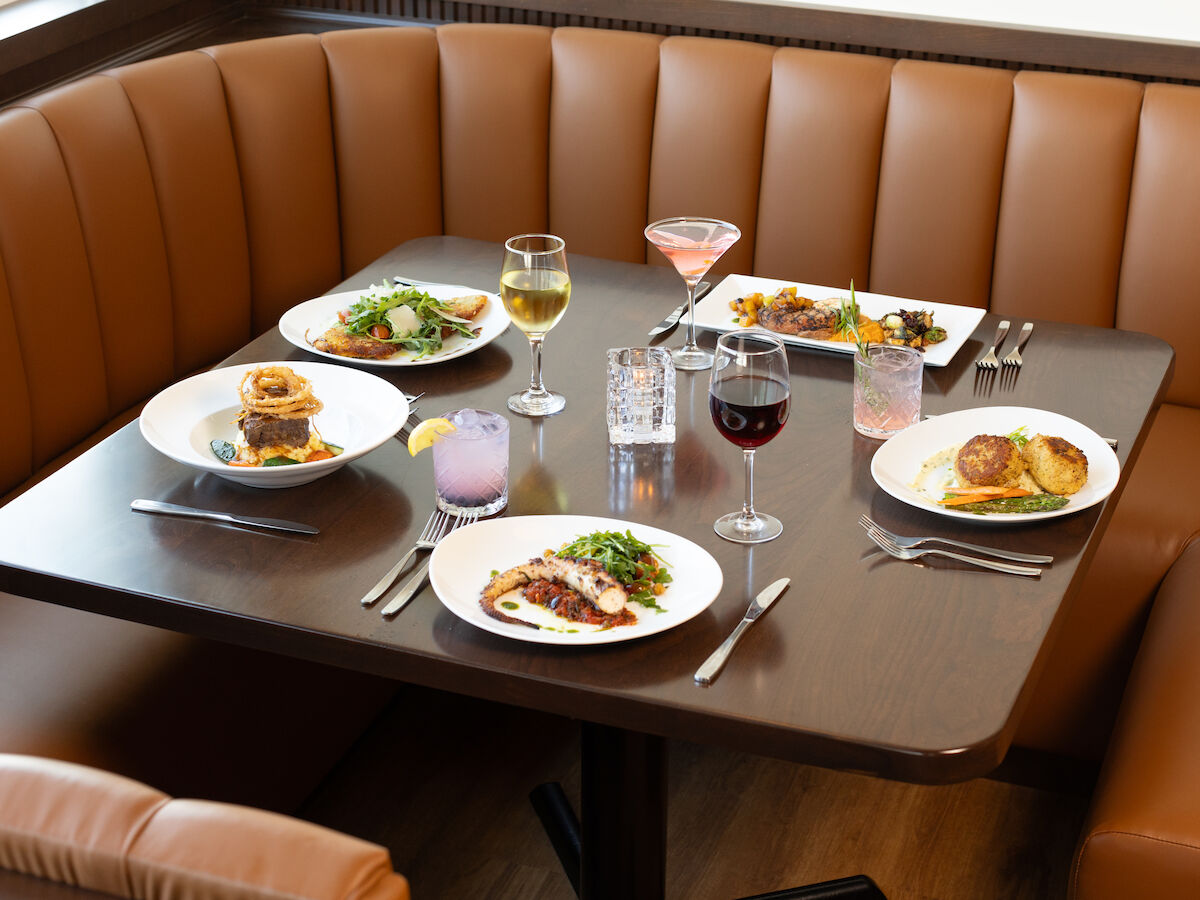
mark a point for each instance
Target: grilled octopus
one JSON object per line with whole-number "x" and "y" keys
{"x": 586, "y": 577}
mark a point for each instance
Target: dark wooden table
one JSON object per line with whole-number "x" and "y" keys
{"x": 913, "y": 672}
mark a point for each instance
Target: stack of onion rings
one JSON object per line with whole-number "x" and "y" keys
{"x": 278, "y": 391}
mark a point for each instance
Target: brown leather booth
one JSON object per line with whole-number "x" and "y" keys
{"x": 1142, "y": 837}
{"x": 171, "y": 209}
{"x": 68, "y": 824}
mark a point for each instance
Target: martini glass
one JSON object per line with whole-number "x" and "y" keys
{"x": 535, "y": 289}
{"x": 692, "y": 244}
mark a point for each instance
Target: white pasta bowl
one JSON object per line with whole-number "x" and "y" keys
{"x": 360, "y": 412}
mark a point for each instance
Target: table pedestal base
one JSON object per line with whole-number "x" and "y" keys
{"x": 620, "y": 850}
{"x": 856, "y": 887}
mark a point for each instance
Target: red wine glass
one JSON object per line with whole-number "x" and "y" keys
{"x": 749, "y": 394}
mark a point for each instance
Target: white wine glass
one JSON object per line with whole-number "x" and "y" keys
{"x": 692, "y": 244}
{"x": 535, "y": 288}
{"x": 749, "y": 396}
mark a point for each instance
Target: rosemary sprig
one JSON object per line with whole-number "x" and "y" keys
{"x": 849, "y": 321}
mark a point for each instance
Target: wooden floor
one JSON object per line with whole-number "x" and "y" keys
{"x": 443, "y": 782}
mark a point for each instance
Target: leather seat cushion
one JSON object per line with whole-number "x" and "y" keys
{"x": 1142, "y": 838}
{"x": 81, "y": 826}
{"x": 70, "y": 823}
{"x": 198, "y": 849}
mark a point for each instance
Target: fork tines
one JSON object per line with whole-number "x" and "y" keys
{"x": 880, "y": 537}
{"x": 435, "y": 528}
{"x": 990, "y": 361}
{"x": 414, "y": 584}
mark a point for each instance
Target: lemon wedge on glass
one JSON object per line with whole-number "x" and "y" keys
{"x": 428, "y": 431}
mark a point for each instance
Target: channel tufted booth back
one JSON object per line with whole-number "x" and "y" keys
{"x": 157, "y": 216}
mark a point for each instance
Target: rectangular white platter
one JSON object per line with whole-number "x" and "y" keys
{"x": 714, "y": 313}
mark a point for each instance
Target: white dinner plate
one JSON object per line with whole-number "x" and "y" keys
{"x": 360, "y": 412}
{"x": 463, "y": 562}
{"x": 313, "y": 318}
{"x": 715, "y": 314}
{"x": 897, "y": 464}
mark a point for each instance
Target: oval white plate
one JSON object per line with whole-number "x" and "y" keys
{"x": 361, "y": 412}
{"x": 314, "y": 317}
{"x": 462, "y": 564}
{"x": 896, "y": 464}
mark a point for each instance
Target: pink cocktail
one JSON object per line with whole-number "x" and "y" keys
{"x": 887, "y": 390}
{"x": 692, "y": 244}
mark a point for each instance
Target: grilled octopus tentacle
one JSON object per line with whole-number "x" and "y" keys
{"x": 586, "y": 577}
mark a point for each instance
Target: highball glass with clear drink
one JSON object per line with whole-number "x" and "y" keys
{"x": 470, "y": 464}
{"x": 887, "y": 390}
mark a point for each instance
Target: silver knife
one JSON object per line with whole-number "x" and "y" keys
{"x": 172, "y": 509}
{"x": 400, "y": 280}
{"x": 407, "y": 592}
{"x": 708, "y": 672}
{"x": 673, "y": 319}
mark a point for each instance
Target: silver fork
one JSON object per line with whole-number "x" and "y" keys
{"x": 892, "y": 549}
{"x": 908, "y": 543}
{"x": 1014, "y": 358}
{"x": 434, "y": 529}
{"x": 409, "y": 424}
{"x": 414, "y": 584}
{"x": 990, "y": 361}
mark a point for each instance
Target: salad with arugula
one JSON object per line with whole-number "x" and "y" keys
{"x": 632, "y": 562}
{"x": 407, "y": 317}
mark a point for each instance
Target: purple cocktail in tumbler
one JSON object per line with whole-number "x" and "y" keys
{"x": 470, "y": 464}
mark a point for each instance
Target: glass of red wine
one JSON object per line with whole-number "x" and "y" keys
{"x": 749, "y": 394}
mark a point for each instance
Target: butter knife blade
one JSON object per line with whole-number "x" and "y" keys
{"x": 673, "y": 319}
{"x": 707, "y": 673}
{"x": 173, "y": 509}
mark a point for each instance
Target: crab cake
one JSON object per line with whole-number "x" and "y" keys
{"x": 988, "y": 459}
{"x": 1057, "y": 465}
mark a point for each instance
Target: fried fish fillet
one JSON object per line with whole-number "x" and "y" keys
{"x": 586, "y": 577}
{"x": 338, "y": 341}
{"x": 467, "y": 307}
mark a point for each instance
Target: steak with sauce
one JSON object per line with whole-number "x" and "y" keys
{"x": 271, "y": 431}
{"x": 816, "y": 322}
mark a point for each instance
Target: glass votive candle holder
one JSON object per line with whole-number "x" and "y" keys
{"x": 641, "y": 396}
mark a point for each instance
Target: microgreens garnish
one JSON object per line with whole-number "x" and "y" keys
{"x": 1019, "y": 437}
{"x": 632, "y": 562}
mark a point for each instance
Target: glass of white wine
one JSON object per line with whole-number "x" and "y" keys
{"x": 535, "y": 289}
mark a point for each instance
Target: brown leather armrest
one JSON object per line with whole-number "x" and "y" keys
{"x": 80, "y": 826}
{"x": 1142, "y": 838}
